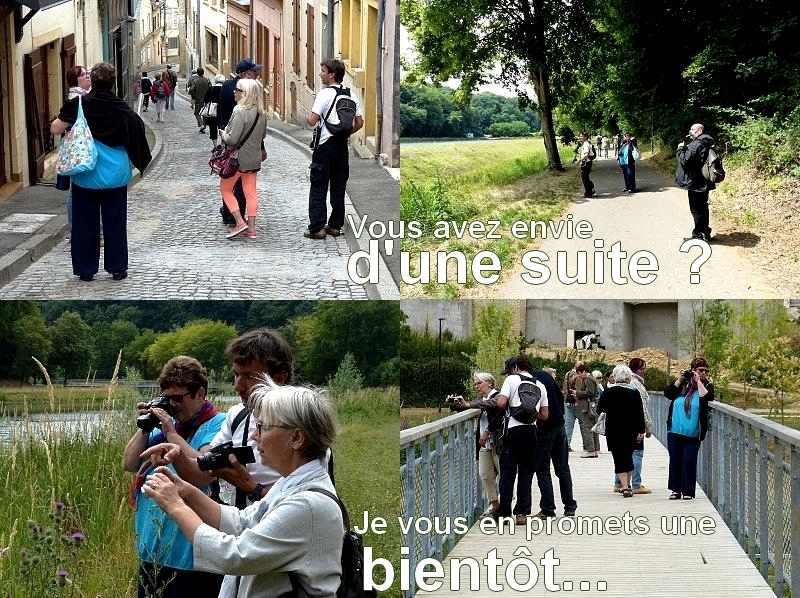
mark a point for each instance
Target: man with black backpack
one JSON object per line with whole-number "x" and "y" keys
{"x": 144, "y": 87}
{"x": 692, "y": 155}
{"x": 335, "y": 115}
{"x": 588, "y": 154}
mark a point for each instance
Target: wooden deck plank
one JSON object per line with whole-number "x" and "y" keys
{"x": 632, "y": 565}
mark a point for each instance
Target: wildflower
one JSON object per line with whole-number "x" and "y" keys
{"x": 61, "y": 577}
{"x": 77, "y": 538}
{"x": 58, "y": 510}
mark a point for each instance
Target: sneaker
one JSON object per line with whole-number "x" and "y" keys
{"x": 698, "y": 237}
{"x": 120, "y": 275}
{"x": 236, "y": 230}
{"x": 333, "y": 232}
{"x": 568, "y": 513}
{"x": 320, "y": 234}
{"x": 522, "y": 519}
{"x": 642, "y": 490}
{"x": 543, "y": 515}
{"x": 251, "y": 234}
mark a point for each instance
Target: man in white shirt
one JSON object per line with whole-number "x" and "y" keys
{"x": 329, "y": 163}
{"x": 586, "y": 165}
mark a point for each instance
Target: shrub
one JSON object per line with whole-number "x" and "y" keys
{"x": 515, "y": 128}
{"x": 347, "y": 378}
{"x": 656, "y": 379}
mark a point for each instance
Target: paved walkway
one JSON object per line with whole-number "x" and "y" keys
{"x": 631, "y": 564}
{"x": 655, "y": 219}
{"x": 176, "y": 237}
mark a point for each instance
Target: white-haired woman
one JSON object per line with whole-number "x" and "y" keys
{"x": 488, "y": 440}
{"x": 212, "y": 97}
{"x": 291, "y": 537}
{"x": 624, "y": 424}
{"x": 246, "y": 128}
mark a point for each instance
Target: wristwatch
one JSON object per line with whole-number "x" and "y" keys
{"x": 255, "y": 495}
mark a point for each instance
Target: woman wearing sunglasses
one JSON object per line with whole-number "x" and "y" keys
{"x": 687, "y": 424}
{"x": 246, "y": 130}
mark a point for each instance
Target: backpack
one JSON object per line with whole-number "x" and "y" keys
{"x": 527, "y": 396}
{"x": 345, "y": 107}
{"x": 592, "y": 153}
{"x": 352, "y": 584}
{"x": 160, "y": 93}
{"x": 146, "y": 84}
{"x": 712, "y": 168}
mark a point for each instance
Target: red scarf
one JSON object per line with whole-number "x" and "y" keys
{"x": 185, "y": 430}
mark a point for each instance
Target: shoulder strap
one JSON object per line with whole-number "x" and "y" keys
{"x": 339, "y": 91}
{"x": 241, "y": 143}
{"x": 345, "y": 516}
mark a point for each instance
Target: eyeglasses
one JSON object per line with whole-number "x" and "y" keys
{"x": 260, "y": 427}
{"x": 85, "y": 74}
{"x": 702, "y": 370}
{"x": 238, "y": 89}
{"x": 177, "y": 398}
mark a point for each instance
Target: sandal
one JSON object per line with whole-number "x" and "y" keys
{"x": 688, "y": 497}
{"x": 627, "y": 492}
{"x": 674, "y": 496}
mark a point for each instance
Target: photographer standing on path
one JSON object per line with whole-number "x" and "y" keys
{"x": 166, "y": 559}
{"x": 586, "y": 165}
{"x": 689, "y": 176}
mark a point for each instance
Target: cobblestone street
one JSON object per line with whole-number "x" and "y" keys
{"x": 176, "y": 238}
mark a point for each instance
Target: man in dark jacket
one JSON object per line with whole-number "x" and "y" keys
{"x": 551, "y": 445}
{"x": 689, "y": 176}
{"x": 197, "y": 90}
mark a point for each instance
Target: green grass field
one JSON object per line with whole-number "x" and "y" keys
{"x": 504, "y": 180}
{"x": 83, "y": 470}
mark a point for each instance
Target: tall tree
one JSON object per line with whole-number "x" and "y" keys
{"x": 73, "y": 345}
{"x": 32, "y": 339}
{"x": 528, "y": 39}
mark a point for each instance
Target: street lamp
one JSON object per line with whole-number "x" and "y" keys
{"x": 439, "y": 399}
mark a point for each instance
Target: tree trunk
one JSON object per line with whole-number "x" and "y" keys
{"x": 541, "y": 85}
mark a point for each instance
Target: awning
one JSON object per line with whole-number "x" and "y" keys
{"x": 32, "y": 4}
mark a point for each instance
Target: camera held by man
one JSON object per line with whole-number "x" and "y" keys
{"x": 218, "y": 457}
{"x": 148, "y": 421}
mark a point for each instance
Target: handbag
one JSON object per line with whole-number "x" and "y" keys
{"x": 224, "y": 160}
{"x": 77, "y": 152}
{"x": 209, "y": 110}
{"x": 600, "y": 426}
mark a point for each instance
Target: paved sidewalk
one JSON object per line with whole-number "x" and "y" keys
{"x": 176, "y": 239}
{"x": 655, "y": 219}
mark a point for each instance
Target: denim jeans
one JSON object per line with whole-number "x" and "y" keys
{"x": 573, "y": 413}
{"x": 636, "y": 480}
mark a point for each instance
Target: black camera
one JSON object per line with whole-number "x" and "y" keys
{"x": 217, "y": 457}
{"x": 688, "y": 374}
{"x": 148, "y": 421}
{"x": 452, "y": 401}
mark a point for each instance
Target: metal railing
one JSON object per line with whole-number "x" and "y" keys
{"x": 439, "y": 479}
{"x": 749, "y": 467}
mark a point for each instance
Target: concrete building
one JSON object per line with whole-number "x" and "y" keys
{"x": 619, "y": 325}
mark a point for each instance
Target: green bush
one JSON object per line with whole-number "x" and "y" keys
{"x": 419, "y": 380}
{"x": 771, "y": 145}
{"x": 347, "y": 378}
{"x": 515, "y": 128}
{"x": 656, "y": 379}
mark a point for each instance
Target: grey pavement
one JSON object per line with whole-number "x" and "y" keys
{"x": 655, "y": 219}
{"x": 176, "y": 237}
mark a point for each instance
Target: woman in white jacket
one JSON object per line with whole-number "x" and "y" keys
{"x": 292, "y": 529}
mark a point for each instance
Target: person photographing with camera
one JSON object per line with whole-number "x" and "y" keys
{"x": 687, "y": 424}
{"x": 183, "y": 416}
{"x": 254, "y": 354}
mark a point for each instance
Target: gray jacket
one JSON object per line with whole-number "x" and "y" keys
{"x": 240, "y": 122}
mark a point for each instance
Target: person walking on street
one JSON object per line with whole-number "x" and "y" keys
{"x": 329, "y": 162}
{"x": 246, "y": 129}
{"x": 627, "y": 157}
{"x": 171, "y": 77}
{"x": 586, "y": 165}
{"x": 197, "y": 91}
{"x": 245, "y": 69}
{"x": 213, "y": 97}
{"x": 689, "y": 176}
{"x": 145, "y": 85}
{"x": 160, "y": 93}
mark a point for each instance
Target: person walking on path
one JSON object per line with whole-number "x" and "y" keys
{"x": 586, "y": 165}
{"x": 171, "y": 77}
{"x": 329, "y": 162}
{"x": 246, "y": 129}
{"x": 689, "y": 176}
{"x": 213, "y": 97}
{"x": 160, "y": 93}
{"x": 627, "y": 157}
{"x": 197, "y": 91}
{"x": 145, "y": 85}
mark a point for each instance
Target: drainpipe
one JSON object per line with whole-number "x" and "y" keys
{"x": 379, "y": 81}
{"x": 331, "y": 6}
